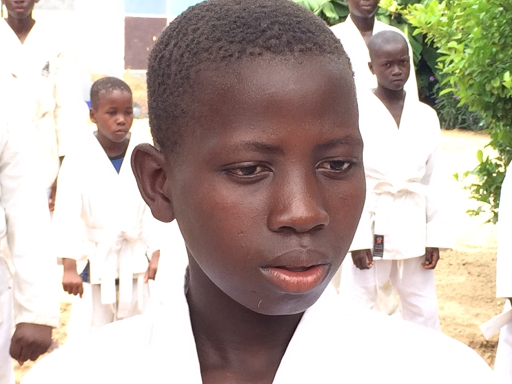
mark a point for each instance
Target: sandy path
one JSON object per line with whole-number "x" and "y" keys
{"x": 465, "y": 276}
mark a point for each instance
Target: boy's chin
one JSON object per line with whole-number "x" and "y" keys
{"x": 287, "y": 304}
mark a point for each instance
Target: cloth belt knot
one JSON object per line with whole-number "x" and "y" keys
{"x": 119, "y": 254}
{"x": 386, "y": 191}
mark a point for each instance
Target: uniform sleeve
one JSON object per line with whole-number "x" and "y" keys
{"x": 23, "y": 199}
{"x": 70, "y": 114}
{"x": 439, "y": 234}
{"x": 411, "y": 86}
{"x": 363, "y": 238}
{"x": 504, "y": 259}
{"x": 67, "y": 223}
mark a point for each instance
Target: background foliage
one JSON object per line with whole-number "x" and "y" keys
{"x": 463, "y": 57}
{"x": 474, "y": 39}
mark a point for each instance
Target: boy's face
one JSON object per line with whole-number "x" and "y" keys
{"x": 391, "y": 65}
{"x": 268, "y": 185}
{"x": 20, "y": 9}
{"x": 114, "y": 115}
{"x": 363, "y": 8}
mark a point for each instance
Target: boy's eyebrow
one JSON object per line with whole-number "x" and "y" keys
{"x": 262, "y": 147}
{"x": 334, "y": 143}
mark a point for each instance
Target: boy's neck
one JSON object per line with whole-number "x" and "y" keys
{"x": 112, "y": 148}
{"x": 389, "y": 96}
{"x": 234, "y": 344}
{"x": 21, "y": 27}
{"x": 363, "y": 24}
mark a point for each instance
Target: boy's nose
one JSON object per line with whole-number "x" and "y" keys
{"x": 297, "y": 207}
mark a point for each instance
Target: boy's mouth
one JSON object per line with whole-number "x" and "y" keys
{"x": 296, "y": 279}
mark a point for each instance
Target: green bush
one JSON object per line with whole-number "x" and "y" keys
{"x": 474, "y": 39}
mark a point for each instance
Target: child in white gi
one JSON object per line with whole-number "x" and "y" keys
{"x": 402, "y": 226}
{"x": 98, "y": 196}
{"x": 37, "y": 55}
{"x": 28, "y": 297}
{"x": 503, "y": 364}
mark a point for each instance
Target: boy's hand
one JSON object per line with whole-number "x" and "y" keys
{"x": 30, "y": 341}
{"x": 72, "y": 283}
{"x": 362, "y": 259}
{"x": 152, "y": 267}
{"x": 51, "y": 199}
{"x": 431, "y": 258}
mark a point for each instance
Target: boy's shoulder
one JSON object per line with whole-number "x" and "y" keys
{"x": 112, "y": 354}
{"x": 412, "y": 353}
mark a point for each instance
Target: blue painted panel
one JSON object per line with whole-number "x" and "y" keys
{"x": 146, "y": 7}
{"x": 178, "y": 6}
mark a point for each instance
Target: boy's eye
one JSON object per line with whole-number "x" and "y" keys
{"x": 111, "y": 113}
{"x": 335, "y": 165}
{"x": 247, "y": 171}
{"x": 128, "y": 113}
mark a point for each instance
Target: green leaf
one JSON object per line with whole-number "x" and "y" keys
{"x": 480, "y": 156}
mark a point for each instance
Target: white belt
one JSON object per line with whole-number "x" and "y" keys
{"x": 392, "y": 190}
{"x": 120, "y": 253}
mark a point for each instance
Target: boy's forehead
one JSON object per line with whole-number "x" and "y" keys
{"x": 262, "y": 94}
{"x": 390, "y": 50}
{"x": 269, "y": 72}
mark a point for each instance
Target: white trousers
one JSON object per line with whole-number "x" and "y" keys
{"x": 6, "y": 327}
{"x": 503, "y": 362}
{"x": 89, "y": 314}
{"x": 415, "y": 287}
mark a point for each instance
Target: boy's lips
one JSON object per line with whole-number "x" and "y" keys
{"x": 296, "y": 280}
{"x": 297, "y": 271}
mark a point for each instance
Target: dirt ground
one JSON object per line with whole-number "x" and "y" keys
{"x": 465, "y": 276}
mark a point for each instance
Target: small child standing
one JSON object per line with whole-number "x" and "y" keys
{"x": 98, "y": 197}
{"x": 404, "y": 222}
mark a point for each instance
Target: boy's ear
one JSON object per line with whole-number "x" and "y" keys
{"x": 148, "y": 165}
{"x": 92, "y": 115}
{"x": 370, "y": 65}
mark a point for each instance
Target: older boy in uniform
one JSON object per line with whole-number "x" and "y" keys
{"x": 403, "y": 225}
{"x": 98, "y": 195}
{"x": 30, "y": 303}
{"x": 503, "y": 364}
{"x": 258, "y": 157}
{"x": 45, "y": 69}
{"x": 354, "y": 35}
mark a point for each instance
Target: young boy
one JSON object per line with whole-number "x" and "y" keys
{"x": 402, "y": 226}
{"x": 29, "y": 296}
{"x": 37, "y": 55}
{"x": 258, "y": 157}
{"x": 354, "y": 34}
{"x": 98, "y": 194}
{"x": 503, "y": 364}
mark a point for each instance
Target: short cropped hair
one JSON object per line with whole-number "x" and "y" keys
{"x": 225, "y": 32}
{"x": 385, "y": 38}
{"x": 107, "y": 84}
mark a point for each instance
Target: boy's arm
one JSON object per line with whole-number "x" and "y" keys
{"x": 27, "y": 220}
{"x": 439, "y": 234}
{"x": 67, "y": 223}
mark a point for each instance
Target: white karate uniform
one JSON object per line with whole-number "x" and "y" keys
{"x": 503, "y": 363}
{"x": 30, "y": 294}
{"x": 101, "y": 217}
{"x": 333, "y": 343}
{"x": 403, "y": 204}
{"x": 47, "y": 75}
{"x": 357, "y": 51}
